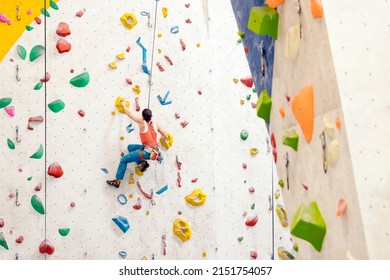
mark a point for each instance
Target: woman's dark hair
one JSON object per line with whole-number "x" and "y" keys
{"x": 147, "y": 115}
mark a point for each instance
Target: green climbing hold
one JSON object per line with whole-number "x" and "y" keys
{"x": 253, "y": 206}
{"x": 281, "y": 183}
{"x": 248, "y": 97}
{"x": 11, "y": 144}
{"x": 29, "y": 178}
{"x": 309, "y": 225}
{"x": 22, "y": 52}
{"x": 244, "y": 134}
{"x": 38, "y": 86}
{"x": 36, "y": 52}
{"x": 53, "y": 5}
{"x": 39, "y": 153}
{"x": 291, "y": 139}
{"x": 4, "y": 102}
{"x": 37, "y": 204}
{"x": 56, "y": 106}
{"x": 63, "y": 231}
{"x": 45, "y": 12}
{"x": 264, "y": 104}
{"x": 80, "y": 80}
{"x": 264, "y": 20}
{"x": 240, "y": 238}
{"x": 3, "y": 242}
{"x": 254, "y": 90}
{"x": 295, "y": 247}
{"x": 29, "y": 28}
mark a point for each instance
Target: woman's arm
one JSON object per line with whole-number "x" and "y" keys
{"x": 162, "y": 132}
{"x": 132, "y": 116}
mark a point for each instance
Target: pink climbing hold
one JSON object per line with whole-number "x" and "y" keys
{"x": 253, "y": 105}
{"x": 38, "y": 187}
{"x": 148, "y": 196}
{"x": 244, "y": 165}
{"x": 63, "y": 46}
{"x": 11, "y": 195}
{"x": 79, "y": 14}
{"x": 183, "y": 45}
{"x": 251, "y": 189}
{"x": 188, "y": 20}
{"x": 184, "y": 124}
{"x": 55, "y": 170}
{"x": 253, "y": 255}
{"x": 46, "y": 247}
{"x": 199, "y": 92}
{"x": 46, "y": 79}
{"x": 187, "y": 5}
{"x": 29, "y": 12}
{"x": 158, "y": 64}
{"x": 251, "y": 220}
{"x": 63, "y": 29}
{"x": 177, "y": 115}
{"x": 72, "y": 204}
{"x": 138, "y": 205}
{"x": 247, "y": 81}
{"x": 81, "y": 113}
{"x": 10, "y": 111}
{"x": 20, "y": 239}
{"x": 1, "y": 222}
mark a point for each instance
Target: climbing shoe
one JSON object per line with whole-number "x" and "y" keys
{"x": 143, "y": 166}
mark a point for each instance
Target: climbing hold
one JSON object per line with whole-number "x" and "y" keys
{"x": 244, "y": 134}
{"x": 128, "y": 20}
{"x": 264, "y": 104}
{"x": 80, "y": 80}
{"x": 204, "y": 254}
{"x": 22, "y": 52}
{"x": 45, "y": 12}
{"x": 39, "y": 153}
{"x": 37, "y": 204}
{"x": 282, "y": 112}
{"x": 46, "y": 247}
{"x": 105, "y": 170}
{"x": 143, "y": 65}
{"x": 281, "y": 183}
{"x": 316, "y": 9}
{"x": 80, "y": 13}
{"x": 55, "y": 170}
{"x": 273, "y": 141}
{"x": 63, "y": 46}
{"x": 4, "y": 102}
{"x": 182, "y": 229}
{"x": 131, "y": 178}
{"x": 167, "y": 144}
{"x": 244, "y": 165}
{"x": 274, "y": 3}
{"x": 63, "y": 29}
{"x": 251, "y": 220}
{"x": 283, "y": 254}
{"x": 56, "y": 106}
{"x": 1, "y": 222}
{"x": 10, "y": 110}
{"x": 138, "y": 171}
{"x": 129, "y": 128}
{"x": 36, "y": 52}
{"x": 72, "y": 204}
{"x": 168, "y": 59}
{"x": 123, "y": 254}
{"x": 160, "y": 68}
{"x": 328, "y": 127}
{"x": 119, "y": 106}
{"x": 251, "y": 189}
{"x": 253, "y": 151}
{"x": 3, "y": 242}
{"x": 183, "y": 45}
{"x": 138, "y": 205}
{"x": 46, "y": 78}
{"x": 81, "y": 113}
{"x": 293, "y": 40}
{"x": 235, "y": 80}
{"x": 247, "y": 81}
{"x": 341, "y": 207}
{"x": 240, "y": 238}
{"x": 11, "y": 144}
{"x": 295, "y": 247}
{"x": 122, "y": 223}
{"x": 163, "y": 189}
{"x": 242, "y": 102}
{"x": 302, "y": 106}
{"x": 175, "y": 29}
{"x": 20, "y": 239}
{"x": 282, "y": 215}
{"x": 122, "y": 200}
{"x": 53, "y": 5}
{"x": 120, "y": 56}
{"x": 196, "y": 198}
{"x": 165, "y": 12}
{"x": 38, "y": 20}
{"x": 38, "y": 86}
{"x": 113, "y": 65}
{"x": 264, "y": 21}
{"x": 253, "y": 255}
{"x": 187, "y": 5}
{"x": 332, "y": 151}
{"x": 309, "y": 225}
{"x": 306, "y": 187}
{"x": 338, "y": 122}
{"x": 253, "y": 206}
{"x": 38, "y": 187}
{"x": 248, "y": 97}
{"x": 63, "y": 231}
{"x": 129, "y": 81}
{"x": 188, "y": 20}
{"x": 291, "y": 139}
{"x": 159, "y": 35}
{"x": 136, "y": 89}
{"x": 29, "y": 178}
{"x": 277, "y": 194}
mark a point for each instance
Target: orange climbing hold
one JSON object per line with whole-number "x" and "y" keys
{"x": 282, "y": 112}
{"x": 338, "y": 122}
{"x": 341, "y": 207}
{"x": 303, "y": 109}
{"x": 274, "y": 3}
{"x": 316, "y": 8}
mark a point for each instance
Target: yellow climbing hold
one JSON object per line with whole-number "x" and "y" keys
{"x": 242, "y": 101}
{"x": 198, "y": 45}
{"x": 138, "y": 171}
{"x": 282, "y": 215}
{"x": 120, "y": 56}
{"x": 182, "y": 230}
{"x": 204, "y": 254}
{"x": 165, "y": 12}
{"x": 136, "y": 89}
{"x": 131, "y": 179}
{"x": 167, "y": 144}
{"x": 122, "y": 138}
{"x": 159, "y": 50}
{"x": 147, "y": 213}
{"x": 113, "y": 113}
{"x": 196, "y": 198}
{"x": 159, "y": 35}
{"x": 118, "y": 104}
{"x": 235, "y": 80}
{"x": 253, "y": 151}
{"x": 130, "y": 195}
{"x": 128, "y": 20}
{"x": 113, "y": 65}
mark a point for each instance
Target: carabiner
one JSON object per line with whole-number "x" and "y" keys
{"x": 17, "y": 198}
{"x": 17, "y": 135}
{"x": 17, "y": 12}
{"x": 17, "y": 73}
{"x": 148, "y": 15}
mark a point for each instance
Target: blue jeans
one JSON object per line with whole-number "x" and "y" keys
{"x": 132, "y": 156}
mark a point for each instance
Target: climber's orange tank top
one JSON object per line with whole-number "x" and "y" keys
{"x": 149, "y": 137}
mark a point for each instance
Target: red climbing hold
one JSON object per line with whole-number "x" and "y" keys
{"x": 137, "y": 107}
{"x": 253, "y": 105}
{"x": 288, "y": 98}
{"x": 187, "y": 5}
{"x": 168, "y": 59}
{"x": 247, "y": 81}
{"x": 275, "y": 153}
{"x": 251, "y": 220}
{"x": 183, "y": 45}
{"x": 55, "y": 170}
{"x": 38, "y": 20}
{"x": 79, "y": 14}
{"x": 305, "y": 186}
{"x": 160, "y": 67}
{"x": 199, "y": 92}
{"x": 63, "y": 29}
{"x": 20, "y": 239}
{"x": 138, "y": 205}
{"x": 194, "y": 180}
{"x": 81, "y": 113}
{"x": 273, "y": 141}
{"x": 246, "y": 49}
{"x": 244, "y": 165}
{"x": 128, "y": 49}
{"x": 1, "y": 222}
{"x": 188, "y": 20}
{"x": 72, "y": 204}
{"x": 46, "y": 247}
{"x": 34, "y": 119}
{"x": 63, "y": 46}
{"x": 177, "y": 115}
{"x": 253, "y": 255}
{"x": 38, "y": 187}
{"x": 251, "y": 189}
{"x": 184, "y": 124}
{"x": 46, "y": 79}
{"x": 129, "y": 81}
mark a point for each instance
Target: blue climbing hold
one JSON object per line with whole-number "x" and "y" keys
{"x": 122, "y": 223}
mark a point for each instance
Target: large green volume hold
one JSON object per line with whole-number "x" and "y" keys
{"x": 37, "y": 204}
{"x": 264, "y": 104}
{"x": 264, "y": 21}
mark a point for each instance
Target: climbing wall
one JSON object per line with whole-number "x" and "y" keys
{"x": 83, "y": 134}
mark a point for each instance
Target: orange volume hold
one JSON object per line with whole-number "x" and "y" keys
{"x": 302, "y": 105}
{"x": 274, "y": 3}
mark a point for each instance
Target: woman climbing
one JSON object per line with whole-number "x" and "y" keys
{"x": 139, "y": 153}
